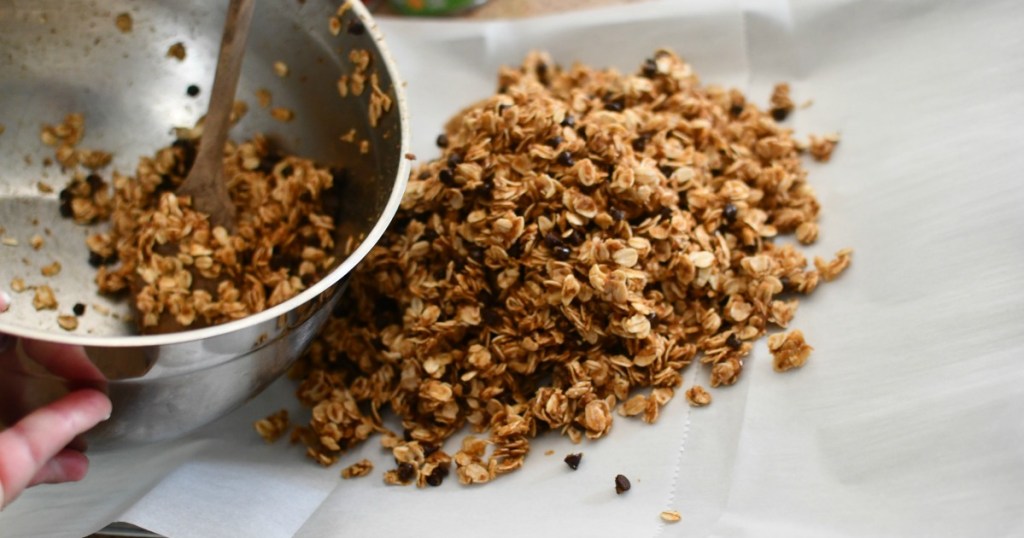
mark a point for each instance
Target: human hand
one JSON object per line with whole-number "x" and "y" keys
{"x": 40, "y": 447}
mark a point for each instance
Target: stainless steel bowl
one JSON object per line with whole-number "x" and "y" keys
{"x": 61, "y": 56}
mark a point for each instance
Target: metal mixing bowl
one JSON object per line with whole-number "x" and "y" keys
{"x": 62, "y": 56}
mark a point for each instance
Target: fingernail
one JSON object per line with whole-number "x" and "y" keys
{"x": 5, "y": 301}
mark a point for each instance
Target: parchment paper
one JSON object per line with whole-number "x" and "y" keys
{"x": 907, "y": 420}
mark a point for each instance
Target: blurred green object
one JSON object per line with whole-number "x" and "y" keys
{"x": 434, "y": 7}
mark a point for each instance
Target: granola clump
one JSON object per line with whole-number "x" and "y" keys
{"x": 584, "y": 236}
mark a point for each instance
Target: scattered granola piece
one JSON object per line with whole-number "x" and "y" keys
{"x": 177, "y": 50}
{"x": 282, "y": 114}
{"x": 671, "y": 516}
{"x": 17, "y": 284}
{"x": 334, "y": 25}
{"x": 2, "y": 128}
{"x": 9, "y": 241}
{"x": 44, "y": 299}
{"x": 781, "y": 103}
{"x": 67, "y": 322}
{"x": 696, "y": 396}
{"x": 573, "y": 460}
{"x": 44, "y": 187}
{"x": 273, "y": 426}
{"x": 263, "y": 97}
{"x": 832, "y": 269}
{"x": 549, "y": 452}
{"x": 789, "y": 350}
{"x": 281, "y": 69}
{"x": 50, "y": 270}
{"x": 364, "y": 147}
{"x": 358, "y": 469}
{"x": 622, "y": 484}
{"x": 123, "y": 21}
{"x": 821, "y": 147}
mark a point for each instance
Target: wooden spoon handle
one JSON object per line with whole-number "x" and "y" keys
{"x": 204, "y": 182}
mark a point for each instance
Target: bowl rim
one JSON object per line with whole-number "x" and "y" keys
{"x": 307, "y": 295}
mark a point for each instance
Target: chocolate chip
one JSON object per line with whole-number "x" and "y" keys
{"x": 542, "y": 73}
{"x": 407, "y": 472}
{"x": 618, "y": 105}
{"x": 785, "y": 282}
{"x": 555, "y": 142}
{"x": 569, "y": 121}
{"x": 446, "y": 177}
{"x": 78, "y": 309}
{"x": 665, "y": 212}
{"x": 436, "y": 477}
{"x": 573, "y": 460}
{"x": 639, "y": 143}
{"x": 574, "y": 238}
{"x": 516, "y": 250}
{"x": 565, "y": 159}
{"x": 684, "y": 203}
{"x": 780, "y": 114}
{"x": 95, "y": 182}
{"x": 429, "y": 235}
{"x": 729, "y": 213}
{"x": 454, "y": 160}
{"x": 95, "y": 259}
{"x": 287, "y": 171}
{"x": 552, "y": 240}
{"x": 442, "y": 140}
{"x": 622, "y": 484}
{"x": 716, "y": 172}
{"x": 561, "y": 253}
{"x": 733, "y": 341}
{"x": 65, "y": 209}
{"x": 476, "y": 253}
{"x": 491, "y": 317}
{"x": 65, "y": 195}
{"x": 735, "y": 110}
{"x": 666, "y": 170}
{"x": 356, "y": 27}
{"x": 192, "y": 90}
{"x": 650, "y": 68}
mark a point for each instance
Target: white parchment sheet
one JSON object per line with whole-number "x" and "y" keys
{"x": 908, "y": 419}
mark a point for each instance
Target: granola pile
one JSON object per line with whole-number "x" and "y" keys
{"x": 584, "y": 236}
{"x": 182, "y": 272}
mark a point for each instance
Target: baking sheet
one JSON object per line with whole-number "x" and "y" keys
{"x": 906, "y": 420}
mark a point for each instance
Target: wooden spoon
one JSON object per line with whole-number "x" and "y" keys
{"x": 205, "y": 181}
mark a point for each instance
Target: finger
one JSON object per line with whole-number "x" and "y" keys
{"x": 62, "y": 360}
{"x": 38, "y": 437}
{"x": 67, "y": 466}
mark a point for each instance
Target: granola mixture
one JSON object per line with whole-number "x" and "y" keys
{"x": 181, "y": 272}
{"x": 584, "y": 236}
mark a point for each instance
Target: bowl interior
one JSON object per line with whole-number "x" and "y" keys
{"x": 63, "y": 56}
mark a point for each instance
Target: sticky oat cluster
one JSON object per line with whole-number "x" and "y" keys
{"x": 584, "y": 237}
